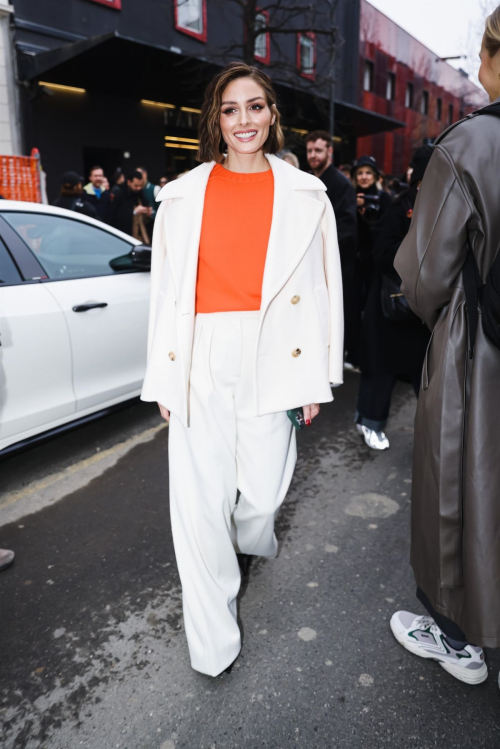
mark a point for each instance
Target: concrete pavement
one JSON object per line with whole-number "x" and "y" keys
{"x": 93, "y": 651}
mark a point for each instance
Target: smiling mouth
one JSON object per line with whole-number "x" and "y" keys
{"x": 246, "y": 136}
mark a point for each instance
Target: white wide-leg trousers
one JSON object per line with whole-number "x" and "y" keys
{"x": 226, "y": 448}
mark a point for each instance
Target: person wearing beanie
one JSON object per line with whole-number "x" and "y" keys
{"x": 372, "y": 203}
{"x": 71, "y": 196}
{"x": 391, "y": 349}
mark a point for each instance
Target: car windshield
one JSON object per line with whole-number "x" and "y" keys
{"x": 69, "y": 248}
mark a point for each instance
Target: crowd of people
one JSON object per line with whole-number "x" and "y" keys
{"x": 128, "y": 204}
{"x": 383, "y": 340}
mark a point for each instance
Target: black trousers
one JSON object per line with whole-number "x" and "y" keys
{"x": 374, "y": 398}
{"x": 449, "y": 628}
{"x": 356, "y": 287}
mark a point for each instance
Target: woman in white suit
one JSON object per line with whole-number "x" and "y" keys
{"x": 245, "y": 323}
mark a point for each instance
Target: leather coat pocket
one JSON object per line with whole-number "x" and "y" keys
{"x": 452, "y": 441}
{"x": 425, "y": 368}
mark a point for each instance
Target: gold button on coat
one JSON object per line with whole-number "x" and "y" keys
{"x": 171, "y": 355}
{"x": 295, "y": 299}
{"x": 296, "y": 352}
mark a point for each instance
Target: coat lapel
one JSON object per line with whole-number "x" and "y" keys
{"x": 296, "y": 216}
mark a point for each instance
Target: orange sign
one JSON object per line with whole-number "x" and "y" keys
{"x": 20, "y": 177}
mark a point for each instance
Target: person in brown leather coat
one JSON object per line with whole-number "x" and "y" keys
{"x": 455, "y": 550}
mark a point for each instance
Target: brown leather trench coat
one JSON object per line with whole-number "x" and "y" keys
{"x": 456, "y": 467}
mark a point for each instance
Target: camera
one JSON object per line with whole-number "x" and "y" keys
{"x": 372, "y": 202}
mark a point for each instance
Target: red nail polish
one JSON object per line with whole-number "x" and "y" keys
{"x": 308, "y": 422}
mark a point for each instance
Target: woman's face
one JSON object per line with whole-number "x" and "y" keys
{"x": 365, "y": 177}
{"x": 245, "y": 116}
{"x": 489, "y": 73}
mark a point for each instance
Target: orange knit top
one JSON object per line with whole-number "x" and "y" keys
{"x": 237, "y": 217}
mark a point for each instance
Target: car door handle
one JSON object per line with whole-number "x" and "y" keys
{"x": 89, "y": 305}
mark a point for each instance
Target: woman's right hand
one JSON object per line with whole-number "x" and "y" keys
{"x": 165, "y": 413}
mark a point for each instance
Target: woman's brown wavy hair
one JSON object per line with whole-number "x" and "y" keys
{"x": 212, "y": 145}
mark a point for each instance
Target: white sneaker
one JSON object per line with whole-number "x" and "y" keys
{"x": 422, "y": 636}
{"x": 375, "y": 440}
{"x": 351, "y": 367}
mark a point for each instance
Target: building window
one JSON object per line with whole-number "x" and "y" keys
{"x": 116, "y": 4}
{"x": 262, "y": 49}
{"x": 450, "y": 114}
{"x": 409, "y": 96}
{"x": 368, "y": 76}
{"x": 306, "y": 55}
{"x": 424, "y": 103}
{"x": 390, "y": 92}
{"x": 439, "y": 109}
{"x": 191, "y": 18}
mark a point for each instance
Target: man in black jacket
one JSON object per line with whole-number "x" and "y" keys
{"x": 129, "y": 208}
{"x": 343, "y": 199}
{"x": 72, "y": 196}
{"x": 94, "y": 193}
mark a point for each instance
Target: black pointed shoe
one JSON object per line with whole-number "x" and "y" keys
{"x": 245, "y": 562}
{"x": 230, "y": 667}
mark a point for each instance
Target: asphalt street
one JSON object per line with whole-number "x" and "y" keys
{"x": 92, "y": 649}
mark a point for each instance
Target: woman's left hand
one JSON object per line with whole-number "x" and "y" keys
{"x": 310, "y": 412}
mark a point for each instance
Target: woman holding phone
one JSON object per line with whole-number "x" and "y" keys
{"x": 245, "y": 325}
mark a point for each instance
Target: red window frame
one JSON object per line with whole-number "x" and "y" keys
{"x": 267, "y": 59}
{"x": 201, "y": 36}
{"x": 309, "y": 35}
{"x": 115, "y": 4}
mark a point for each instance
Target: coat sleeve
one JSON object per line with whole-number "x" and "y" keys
{"x": 334, "y": 283}
{"x": 387, "y": 237}
{"x": 344, "y": 205}
{"x": 433, "y": 253}
{"x": 158, "y": 256}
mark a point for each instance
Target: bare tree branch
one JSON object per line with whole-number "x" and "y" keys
{"x": 279, "y": 20}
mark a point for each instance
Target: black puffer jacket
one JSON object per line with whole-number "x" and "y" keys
{"x": 76, "y": 203}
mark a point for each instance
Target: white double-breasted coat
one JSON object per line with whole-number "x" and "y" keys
{"x": 299, "y": 349}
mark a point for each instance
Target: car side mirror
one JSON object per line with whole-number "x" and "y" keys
{"x": 141, "y": 257}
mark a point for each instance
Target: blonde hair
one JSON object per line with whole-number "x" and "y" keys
{"x": 492, "y": 33}
{"x": 212, "y": 144}
{"x": 291, "y": 158}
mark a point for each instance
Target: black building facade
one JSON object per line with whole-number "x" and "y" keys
{"x": 120, "y": 82}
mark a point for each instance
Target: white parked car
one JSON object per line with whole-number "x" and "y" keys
{"x": 74, "y": 298}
